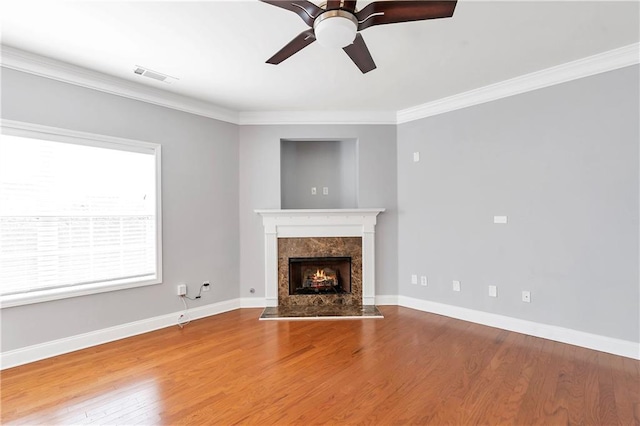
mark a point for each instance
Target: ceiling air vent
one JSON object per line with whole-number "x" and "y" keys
{"x": 146, "y": 72}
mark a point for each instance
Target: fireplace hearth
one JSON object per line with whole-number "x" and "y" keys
{"x": 319, "y": 275}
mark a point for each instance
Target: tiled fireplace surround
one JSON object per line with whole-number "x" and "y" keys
{"x": 319, "y": 233}
{"x": 319, "y": 247}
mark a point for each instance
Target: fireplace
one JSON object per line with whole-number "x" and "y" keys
{"x": 319, "y": 275}
{"x": 319, "y": 233}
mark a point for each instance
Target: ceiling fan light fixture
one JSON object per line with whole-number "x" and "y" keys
{"x": 335, "y": 28}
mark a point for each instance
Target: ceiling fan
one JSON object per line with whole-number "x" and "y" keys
{"x": 338, "y": 24}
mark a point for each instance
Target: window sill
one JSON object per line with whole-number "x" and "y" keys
{"x": 12, "y": 300}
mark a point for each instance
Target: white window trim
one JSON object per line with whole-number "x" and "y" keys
{"x": 28, "y": 130}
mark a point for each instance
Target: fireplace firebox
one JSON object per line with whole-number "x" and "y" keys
{"x": 319, "y": 275}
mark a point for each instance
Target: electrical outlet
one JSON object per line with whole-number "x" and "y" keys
{"x": 205, "y": 286}
{"x": 500, "y": 219}
{"x": 456, "y": 285}
{"x": 416, "y": 157}
{"x": 493, "y": 291}
{"x": 325, "y": 190}
{"x": 526, "y": 296}
{"x": 423, "y": 280}
{"x": 414, "y": 279}
{"x": 182, "y": 289}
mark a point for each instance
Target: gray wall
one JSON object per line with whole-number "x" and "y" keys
{"x": 260, "y": 189}
{"x": 199, "y": 198}
{"x": 306, "y": 164}
{"x": 349, "y": 173}
{"x": 562, "y": 163}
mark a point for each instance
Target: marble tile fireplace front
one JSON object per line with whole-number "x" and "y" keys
{"x": 320, "y": 271}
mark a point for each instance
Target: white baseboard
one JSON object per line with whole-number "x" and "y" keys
{"x": 253, "y": 302}
{"x": 81, "y": 341}
{"x": 387, "y": 299}
{"x": 559, "y": 334}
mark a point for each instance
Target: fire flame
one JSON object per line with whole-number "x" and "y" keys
{"x": 321, "y": 278}
{"x": 320, "y": 275}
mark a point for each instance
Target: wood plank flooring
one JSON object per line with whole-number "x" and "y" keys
{"x": 408, "y": 368}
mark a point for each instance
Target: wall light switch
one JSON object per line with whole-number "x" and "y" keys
{"x": 493, "y": 291}
{"x": 414, "y": 279}
{"x": 499, "y": 219}
{"x": 456, "y": 285}
{"x": 325, "y": 190}
{"x": 423, "y": 280}
{"x": 314, "y": 190}
{"x": 416, "y": 157}
{"x": 526, "y": 296}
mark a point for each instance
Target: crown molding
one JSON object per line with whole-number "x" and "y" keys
{"x": 591, "y": 65}
{"x": 31, "y": 63}
{"x": 21, "y": 60}
{"x": 317, "y": 117}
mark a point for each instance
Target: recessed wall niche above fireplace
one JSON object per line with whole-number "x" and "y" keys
{"x": 329, "y": 166}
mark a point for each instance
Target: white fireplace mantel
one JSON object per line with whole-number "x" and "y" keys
{"x": 319, "y": 223}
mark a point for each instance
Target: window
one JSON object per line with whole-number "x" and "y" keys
{"x": 79, "y": 214}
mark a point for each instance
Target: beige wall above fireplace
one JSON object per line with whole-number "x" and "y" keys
{"x": 319, "y": 223}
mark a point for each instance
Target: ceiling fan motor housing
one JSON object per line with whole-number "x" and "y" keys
{"x": 335, "y": 28}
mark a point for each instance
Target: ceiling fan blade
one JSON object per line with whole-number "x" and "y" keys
{"x": 391, "y": 12}
{"x": 303, "y": 8}
{"x": 333, "y": 4}
{"x": 303, "y": 39}
{"x": 349, "y": 5}
{"x": 359, "y": 54}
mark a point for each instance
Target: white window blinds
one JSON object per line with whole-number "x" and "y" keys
{"x": 74, "y": 214}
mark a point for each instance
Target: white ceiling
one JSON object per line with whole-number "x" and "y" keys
{"x": 217, "y": 49}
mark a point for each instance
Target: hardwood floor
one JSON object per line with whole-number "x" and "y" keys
{"x": 409, "y": 368}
